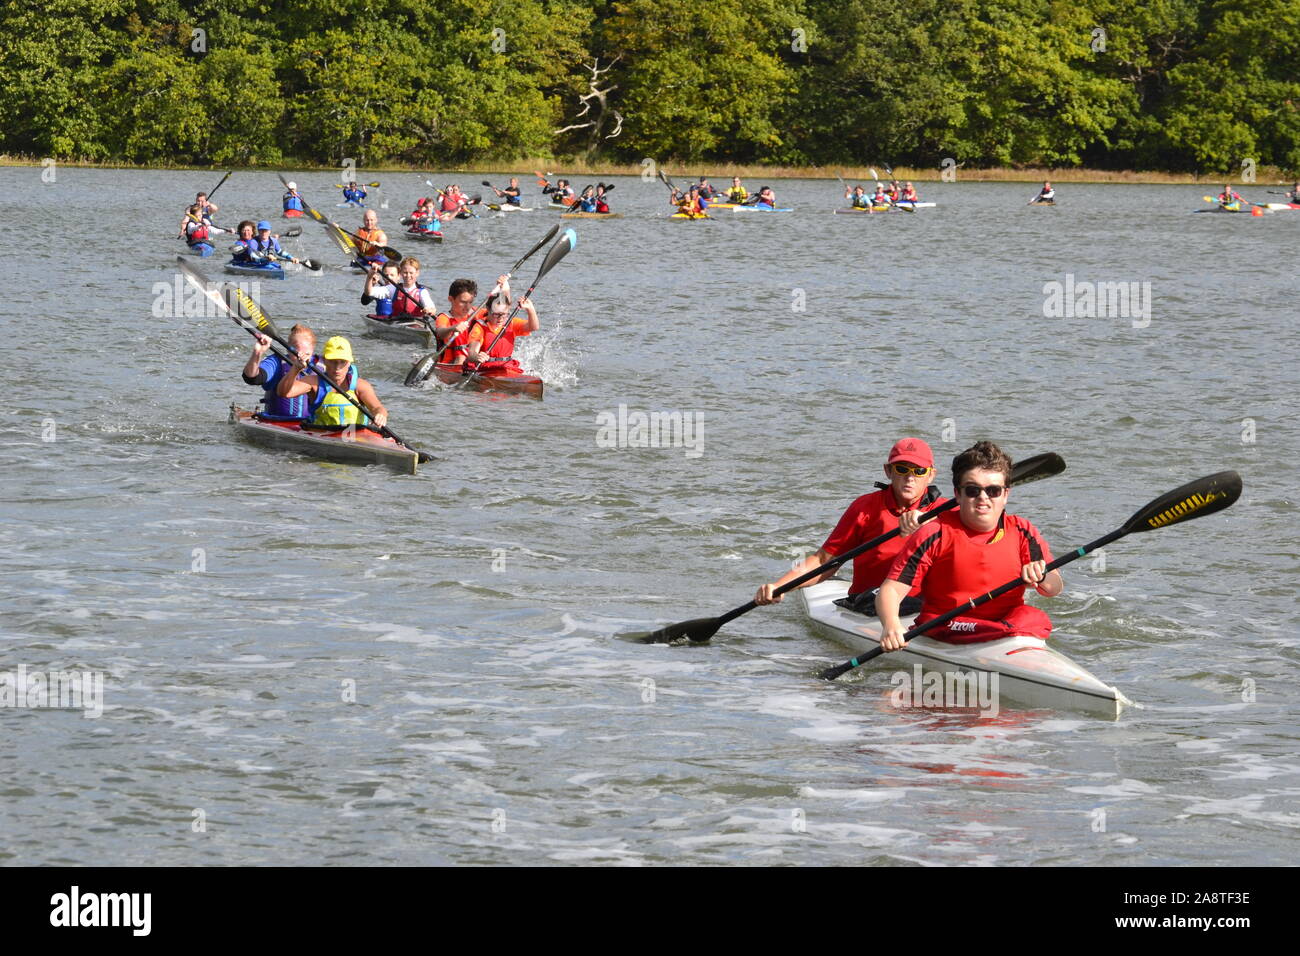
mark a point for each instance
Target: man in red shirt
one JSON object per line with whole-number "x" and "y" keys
{"x": 970, "y": 552}
{"x": 899, "y": 504}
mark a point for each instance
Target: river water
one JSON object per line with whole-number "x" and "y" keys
{"x": 318, "y": 663}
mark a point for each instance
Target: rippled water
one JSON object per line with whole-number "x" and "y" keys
{"x": 335, "y": 664}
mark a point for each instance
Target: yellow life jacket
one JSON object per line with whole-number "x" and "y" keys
{"x": 737, "y": 194}
{"x": 332, "y": 410}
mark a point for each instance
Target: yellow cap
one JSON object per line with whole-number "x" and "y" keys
{"x": 337, "y": 348}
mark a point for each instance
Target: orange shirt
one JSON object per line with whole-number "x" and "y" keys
{"x": 455, "y": 352}
{"x": 505, "y": 346}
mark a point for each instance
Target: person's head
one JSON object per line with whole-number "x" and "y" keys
{"x": 461, "y": 295}
{"x": 263, "y": 229}
{"x": 704, "y": 181}
{"x": 409, "y": 270}
{"x": 499, "y": 307}
{"x": 194, "y": 210}
{"x": 201, "y": 199}
{"x": 245, "y": 229}
{"x": 293, "y": 187}
{"x": 391, "y": 272}
{"x": 370, "y": 219}
{"x": 907, "y": 185}
{"x": 1047, "y": 185}
{"x": 352, "y": 183}
{"x": 337, "y": 355}
{"x": 858, "y": 190}
{"x": 735, "y": 180}
{"x": 302, "y": 339}
{"x": 910, "y": 469}
{"x": 514, "y": 182}
{"x": 980, "y": 479}
{"x": 880, "y": 187}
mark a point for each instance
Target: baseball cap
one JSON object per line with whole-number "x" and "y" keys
{"x": 264, "y": 224}
{"x": 907, "y": 449}
{"x": 338, "y": 347}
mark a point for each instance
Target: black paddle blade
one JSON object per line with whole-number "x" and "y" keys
{"x": 292, "y": 233}
{"x": 563, "y": 246}
{"x": 1198, "y": 498}
{"x": 311, "y": 264}
{"x": 1037, "y": 468}
{"x": 486, "y": 183}
{"x": 697, "y": 632}
{"x": 419, "y": 371}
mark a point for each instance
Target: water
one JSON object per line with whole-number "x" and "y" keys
{"x": 317, "y": 663}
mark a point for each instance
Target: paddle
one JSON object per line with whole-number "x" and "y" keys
{"x": 420, "y": 370}
{"x": 337, "y": 234}
{"x": 1225, "y": 205}
{"x": 367, "y": 185}
{"x": 259, "y": 321}
{"x": 563, "y": 246}
{"x": 389, "y": 252}
{"x": 220, "y": 184}
{"x": 462, "y": 204}
{"x": 701, "y": 629}
{"x": 311, "y": 264}
{"x": 1195, "y": 499}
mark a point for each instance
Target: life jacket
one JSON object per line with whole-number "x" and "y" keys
{"x": 587, "y": 205}
{"x": 737, "y": 194}
{"x": 292, "y": 202}
{"x": 329, "y": 409}
{"x": 969, "y": 568}
{"x": 880, "y": 199}
{"x": 909, "y": 195}
{"x": 457, "y": 346}
{"x": 500, "y": 354}
{"x": 368, "y": 248}
{"x": 196, "y": 232}
{"x": 513, "y": 200}
{"x": 270, "y": 245}
{"x": 353, "y": 195}
{"x": 277, "y": 408}
{"x": 406, "y": 303}
{"x": 860, "y": 201}
{"x": 448, "y": 204}
{"x": 601, "y": 205}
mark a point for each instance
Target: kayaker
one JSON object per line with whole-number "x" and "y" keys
{"x": 857, "y": 197}
{"x": 410, "y": 299}
{"x": 452, "y": 327}
{"x": 1045, "y": 195}
{"x": 880, "y": 197}
{"x": 247, "y": 250}
{"x": 425, "y": 218}
{"x": 602, "y": 204}
{"x": 688, "y": 203}
{"x": 895, "y": 191}
{"x": 587, "y": 201}
{"x": 512, "y": 195}
{"x": 491, "y": 345}
{"x": 195, "y": 228}
{"x": 970, "y": 552}
{"x": 292, "y": 201}
{"x": 1293, "y": 197}
{"x": 899, "y": 504}
{"x": 384, "y": 307}
{"x": 561, "y": 193}
{"x": 909, "y": 193}
{"x": 372, "y": 237}
{"x": 267, "y": 371}
{"x": 327, "y": 408}
{"x": 206, "y": 209}
{"x": 261, "y": 247}
{"x": 737, "y": 193}
{"x": 765, "y": 198}
{"x": 1229, "y": 199}
{"x": 707, "y": 192}
{"x": 354, "y": 193}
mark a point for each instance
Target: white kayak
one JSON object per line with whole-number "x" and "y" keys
{"x": 1029, "y": 672}
{"x": 408, "y": 331}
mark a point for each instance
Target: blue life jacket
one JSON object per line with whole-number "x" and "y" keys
{"x": 276, "y": 408}
{"x": 292, "y": 202}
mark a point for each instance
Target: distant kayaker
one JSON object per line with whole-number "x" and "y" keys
{"x": 561, "y": 193}
{"x": 410, "y": 299}
{"x": 602, "y": 204}
{"x": 895, "y": 191}
{"x": 737, "y": 193}
{"x": 909, "y": 193}
{"x": 587, "y": 201}
{"x": 511, "y": 194}
{"x": 688, "y": 203}
{"x": 425, "y": 218}
{"x": 384, "y": 307}
{"x": 765, "y": 198}
{"x": 255, "y": 244}
{"x": 491, "y": 344}
{"x": 880, "y": 197}
{"x": 707, "y": 192}
{"x": 206, "y": 209}
{"x": 354, "y": 193}
{"x": 1045, "y": 195}
{"x": 372, "y": 237}
{"x": 970, "y": 552}
{"x": 267, "y": 370}
{"x": 899, "y": 504}
{"x": 1229, "y": 199}
{"x": 857, "y": 197}
{"x": 1293, "y": 197}
{"x": 292, "y": 201}
{"x": 453, "y": 327}
{"x": 195, "y": 228}
{"x": 327, "y": 408}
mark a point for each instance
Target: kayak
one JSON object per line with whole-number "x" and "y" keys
{"x": 360, "y": 446}
{"x": 506, "y": 207}
{"x": 684, "y": 215}
{"x": 858, "y": 210}
{"x": 266, "y": 270}
{"x": 529, "y": 385}
{"x": 354, "y": 205}
{"x": 1279, "y": 206}
{"x": 591, "y": 215}
{"x": 757, "y": 209}
{"x": 1233, "y": 208}
{"x": 292, "y": 213}
{"x": 1041, "y": 202}
{"x": 412, "y": 330}
{"x": 723, "y": 205}
{"x": 1029, "y": 672}
{"x": 558, "y": 205}
{"x": 422, "y": 235}
{"x": 908, "y": 204}
{"x": 202, "y": 249}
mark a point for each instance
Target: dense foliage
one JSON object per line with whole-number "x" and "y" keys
{"x": 1168, "y": 84}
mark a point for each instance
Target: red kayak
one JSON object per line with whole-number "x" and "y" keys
{"x": 292, "y": 213}
{"x": 512, "y": 383}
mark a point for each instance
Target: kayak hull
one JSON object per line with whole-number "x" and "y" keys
{"x": 202, "y": 249}
{"x": 292, "y": 214}
{"x": 682, "y": 215}
{"x": 1030, "y": 673}
{"x": 591, "y": 215}
{"x": 399, "y": 331}
{"x": 758, "y": 209}
{"x": 364, "y": 447}
{"x": 424, "y": 236}
{"x": 527, "y": 385}
{"x": 271, "y": 270}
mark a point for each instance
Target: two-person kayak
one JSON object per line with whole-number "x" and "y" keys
{"x": 359, "y": 445}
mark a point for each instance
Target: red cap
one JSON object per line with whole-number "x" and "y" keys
{"x": 911, "y": 450}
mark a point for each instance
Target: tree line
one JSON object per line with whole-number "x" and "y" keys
{"x": 1177, "y": 85}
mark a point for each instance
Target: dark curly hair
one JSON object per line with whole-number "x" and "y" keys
{"x": 983, "y": 455}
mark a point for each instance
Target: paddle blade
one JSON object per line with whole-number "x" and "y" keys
{"x": 1037, "y": 468}
{"x": 292, "y": 233}
{"x": 311, "y": 264}
{"x": 244, "y": 306}
{"x": 486, "y": 183}
{"x": 696, "y": 631}
{"x": 420, "y": 371}
{"x": 1198, "y": 498}
{"x": 563, "y": 246}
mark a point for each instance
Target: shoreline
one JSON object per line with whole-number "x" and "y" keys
{"x": 689, "y": 171}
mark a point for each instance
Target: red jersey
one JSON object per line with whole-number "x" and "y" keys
{"x": 952, "y": 564}
{"x": 868, "y": 517}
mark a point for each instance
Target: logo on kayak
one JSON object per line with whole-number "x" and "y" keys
{"x": 967, "y": 690}
{"x": 1098, "y": 300}
{"x": 637, "y": 429}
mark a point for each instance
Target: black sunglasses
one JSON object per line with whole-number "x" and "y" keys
{"x": 973, "y": 491}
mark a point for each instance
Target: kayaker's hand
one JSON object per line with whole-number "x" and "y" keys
{"x": 765, "y": 595}
{"x": 462, "y": 326}
{"x": 908, "y": 522}
{"x": 260, "y": 345}
{"x": 382, "y": 418}
{"x": 1033, "y": 573}
{"x": 891, "y": 638}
